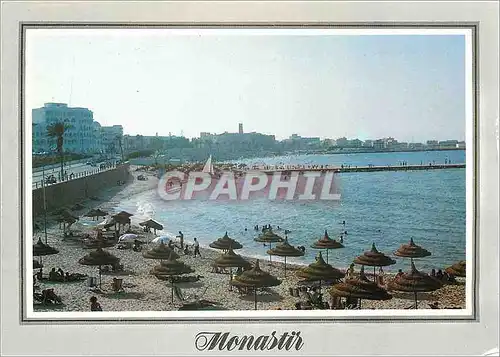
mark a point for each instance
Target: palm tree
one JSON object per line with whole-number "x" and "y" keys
{"x": 120, "y": 145}
{"x": 57, "y": 131}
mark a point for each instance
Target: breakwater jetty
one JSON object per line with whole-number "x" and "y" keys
{"x": 352, "y": 168}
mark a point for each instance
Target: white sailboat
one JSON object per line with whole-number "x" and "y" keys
{"x": 209, "y": 167}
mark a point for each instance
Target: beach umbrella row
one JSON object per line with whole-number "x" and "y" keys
{"x": 269, "y": 237}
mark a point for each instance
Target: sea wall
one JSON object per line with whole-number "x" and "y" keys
{"x": 72, "y": 191}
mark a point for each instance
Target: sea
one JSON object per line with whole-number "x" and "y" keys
{"x": 385, "y": 208}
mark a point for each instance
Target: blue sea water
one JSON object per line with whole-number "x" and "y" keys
{"x": 385, "y": 208}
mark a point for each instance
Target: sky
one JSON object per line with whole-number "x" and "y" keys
{"x": 411, "y": 87}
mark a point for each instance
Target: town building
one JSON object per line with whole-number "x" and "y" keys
{"x": 79, "y": 135}
{"x": 112, "y": 139}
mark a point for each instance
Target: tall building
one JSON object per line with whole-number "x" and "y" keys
{"x": 240, "y": 128}
{"x": 79, "y": 135}
{"x": 112, "y": 139}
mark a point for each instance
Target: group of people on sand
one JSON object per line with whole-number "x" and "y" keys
{"x": 439, "y": 275}
{"x": 60, "y": 276}
{"x": 443, "y": 276}
{"x": 184, "y": 247}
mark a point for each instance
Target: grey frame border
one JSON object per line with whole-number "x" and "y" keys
{"x": 473, "y": 26}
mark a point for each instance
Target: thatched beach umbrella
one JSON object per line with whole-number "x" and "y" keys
{"x": 122, "y": 218}
{"x": 285, "y": 250}
{"x": 360, "y": 288}
{"x": 150, "y": 223}
{"x": 255, "y": 278}
{"x": 374, "y": 258}
{"x": 320, "y": 271}
{"x": 160, "y": 252}
{"x": 411, "y": 250}
{"x": 225, "y": 243}
{"x": 414, "y": 281}
{"x": 326, "y": 243}
{"x": 66, "y": 218}
{"x": 269, "y": 237}
{"x": 231, "y": 260}
{"x": 171, "y": 268}
{"x": 99, "y": 258}
{"x": 96, "y": 213}
{"x": 457, "y": 269}
{"x": 123, "y": 214}
{"x": 40, "y": 249}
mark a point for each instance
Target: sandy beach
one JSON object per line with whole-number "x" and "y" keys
{"x": 144, "y": 292}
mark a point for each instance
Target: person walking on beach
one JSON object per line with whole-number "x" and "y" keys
{"x": 181, "y": 237}
{"x": 196, "y": 247}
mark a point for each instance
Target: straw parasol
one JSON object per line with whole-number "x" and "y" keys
{"x": 40, "y": 249}
{"x": 99, "y": 258}
{"x": 150, "y": 223}
{"x": 411, "y": 250}
{"x": 360, "y": 288}
{"x": 255, "y": 278}
{"x": 374, "y": 258}
{"x": 231, "y": 260}
{"x": 269, "y": 237}
{"x": 457, "y": 269}
{"x": 123, "y": 214}
{"x": 170, "y": 268}
{"x": 320, "y": 271}
{"x": 122, "y": 218}
{"x": 414, "y": 281}
{"x": 96, "y": 213}
{"x": 285, "y": 250}
{"x": 327, "y": 243}
{"x": 160, "y": 252}
{"x": 66, "y": 217}
{"x": 225, "y": 243}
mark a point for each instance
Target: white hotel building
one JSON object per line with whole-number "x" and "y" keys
{"x": 82, "y": 134}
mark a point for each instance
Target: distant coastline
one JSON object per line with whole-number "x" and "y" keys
{"x": 365, "y": 151}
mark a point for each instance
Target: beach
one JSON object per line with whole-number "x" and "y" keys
{"x": 144, "y": 292}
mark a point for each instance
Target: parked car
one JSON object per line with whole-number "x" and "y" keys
{"x": 50, "y": 179}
